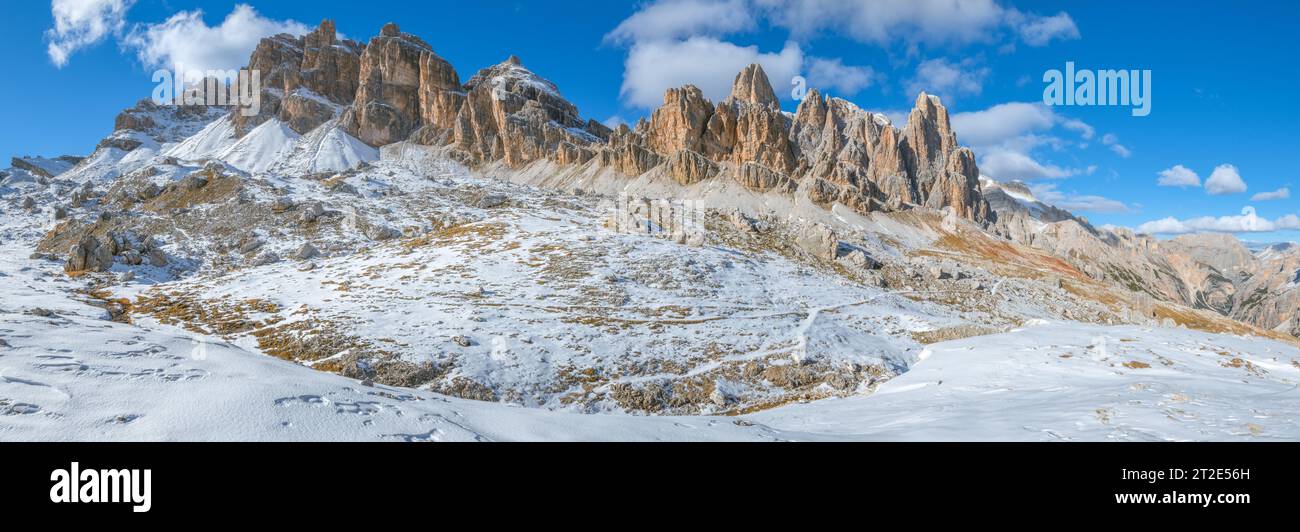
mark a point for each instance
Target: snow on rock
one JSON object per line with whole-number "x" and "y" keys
{"x": 274, "y": 147}
{"x": 213, "y": 139}
{"x": 263, "y": 147}
{"x": 326, "y": 149}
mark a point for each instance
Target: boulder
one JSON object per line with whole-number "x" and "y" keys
{"x": 89, "y": 255}
{"x": 818, "y": 240}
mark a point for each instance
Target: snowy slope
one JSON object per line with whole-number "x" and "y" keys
{"x": 72, "y": 376}
{"x": 213, "y": 139}
{"x": 264, "y": 146}
{"x": 325, "y": 149}
{"x": 274, "y": 147}
{"x": 1066, "y": 381}
{"x": 66, "y": 373}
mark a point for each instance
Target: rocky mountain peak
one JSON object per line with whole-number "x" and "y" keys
{"x": 752, "y": 86}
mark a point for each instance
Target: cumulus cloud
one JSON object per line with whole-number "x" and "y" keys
{"x": 1178, "y": 176}
{"x": 1004, "y": 165}
{"x": 1038, "y": 30}
{"x": 1279, "y": 194}
{"x": 661, "y": 26}
{"x": 1006, "y": 136}
{"x": 1048, "y": 193}
{"x": 1247, "y": 222}
{"x": 710, "y": 64}
{"x": 934, "y": 22}
{"x": 884, "y": 21}
{"x": 81, "y": 23}
{"x": 679, "y": 19}
{"x": 1112, "y": 141}
{"x": 1002, "y": 122}
{"x": 1078, "y": 126}
{"x": 833, "y": 74}
{"x": 1225, "y": 180}
{"x": 186, "y": 40}
{"x": 947, "y": 79}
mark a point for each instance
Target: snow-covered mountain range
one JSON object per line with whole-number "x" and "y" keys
{"x": 386, "y": 252}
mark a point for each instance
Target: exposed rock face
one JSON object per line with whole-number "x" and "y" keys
{"x": 929, "y": 142}
{"x": 752, "y": 86}
{"x": 330, "y": 68}
{"x": 306, "y": 80}
{"x": 441, "y": 96}
{"x": 762, "y": 178}
{"x": 89, "y": 255}
{"x": 395, "y": 88}
{"x": 831, "y": 149}
{"x": 387, "y": 105}
{"x": 627, "y": 154}
{"x": 688, "y": 167}
{"x": 957, "y": 186}
{"x": 680, "y": 124}
{"x": 1205, "y": 271}
{"x": 160, "y": 123}
{"x": 515, "y": 116}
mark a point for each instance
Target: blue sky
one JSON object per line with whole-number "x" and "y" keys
{"x": 1222, "y": 76}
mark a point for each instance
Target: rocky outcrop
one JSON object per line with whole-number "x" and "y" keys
{"x": 681, "y": 122}
{"x": 752, "y": 86}
{"x": 387, "y": 105}
{"x": 306, "y": 81}
{"x": 689, "y": 167}
{"x": 396, "y": 88}
{"x": 626, "y": 153}
{"x": 819, "y": 241}
{"x": 89, "y": 255}
{"x": 762, "y": 179}
{"x": 748, "y": 127}
{"x": 929, "y": 142}
{"x": 957, "y": 186}
{"x": 330, "y": 67}
{"x": 441, "y": 97}
{"x": 515, "y": 116}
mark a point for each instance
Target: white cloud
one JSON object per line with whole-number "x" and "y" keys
{"x": 948, "y": 79}
{"x": 1078, "y": 126}
{"x": 679, "y": 19}
{"x": 1048, "y": 193}
{"x": 1006, "y": 135}
{"x": 81, "y": 23}
{"x": 1279, "y": 194}
{"x": 834, "y": 75}
{"x": 1247, "y": 222}
{"x": 1178, "y": 176}
{"x": 884, "y": 21}
{"x": 187, "y": 40}
{"x": 1225, "y": 180}
{"x": 1111, "y": 140}
{"x": 934, "y": 22}
{"x": 1002, "y": 122}
{"x": 614, "y": 121}
{"x": 1005, "y": 165}
{"x": 1038, "y": 30}
{"x": 710, "y": 64}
